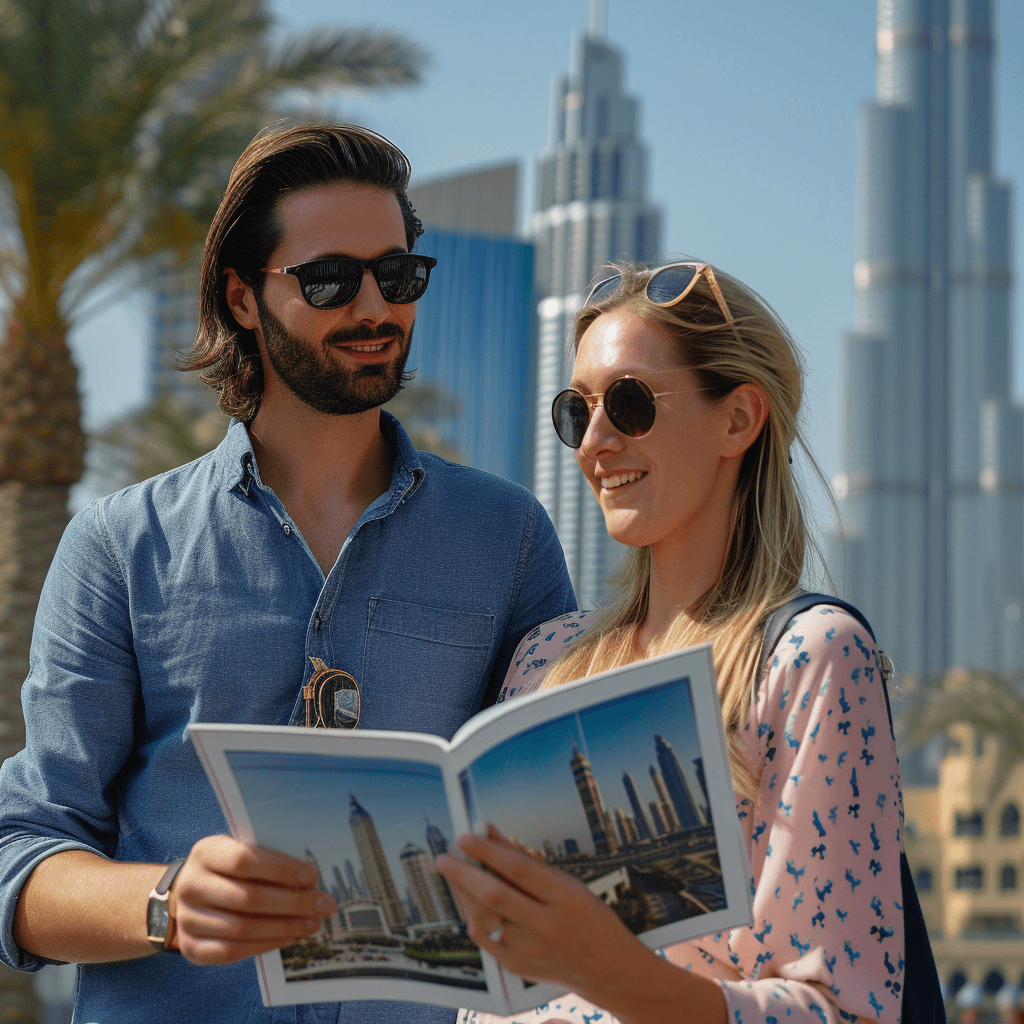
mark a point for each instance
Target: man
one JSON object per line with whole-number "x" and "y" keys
{"x": 314, "y": 530}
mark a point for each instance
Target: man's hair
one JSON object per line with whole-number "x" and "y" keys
{"x": 247, "y": 229}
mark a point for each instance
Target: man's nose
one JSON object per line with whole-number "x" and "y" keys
{"x": 369, "y": 306}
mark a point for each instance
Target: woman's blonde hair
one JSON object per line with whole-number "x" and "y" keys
{"x": 765, "y": 552}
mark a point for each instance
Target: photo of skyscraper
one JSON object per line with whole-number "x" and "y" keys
{"x": 383, "y": 822}
{"x": 562, "y": 787}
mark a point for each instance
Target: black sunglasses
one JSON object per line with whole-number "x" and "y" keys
{"x": 628, "y": 403}
{"x": 334, "y": 281}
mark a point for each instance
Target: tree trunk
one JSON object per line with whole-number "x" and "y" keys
{"x": 32, "y": 519}
{"x": 42, "y": 449}
{"x": 18, "y": 1002}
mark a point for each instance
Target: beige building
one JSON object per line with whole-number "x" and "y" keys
{"x": 966, "y": 849}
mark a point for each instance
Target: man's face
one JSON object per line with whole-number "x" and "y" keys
{"x": 345, "y": 360}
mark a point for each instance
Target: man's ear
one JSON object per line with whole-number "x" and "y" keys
{"x": 745, "y": 411}
{"x": 241, "y": 300}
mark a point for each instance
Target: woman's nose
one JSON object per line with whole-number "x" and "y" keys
{"x": 600, "y": 436}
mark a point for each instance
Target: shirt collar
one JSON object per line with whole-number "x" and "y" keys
{"x": 236, "y": 456}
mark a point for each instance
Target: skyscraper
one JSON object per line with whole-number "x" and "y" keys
{"x": 354, "y": 888}
{"x": 932, "y": 444}
{"x": 678, "y": 787}
{"x": 642, "y": 827}
{"x": 375, "y": 865}
{"x": 472, "y": 337}
{"x": 593, "y": 806}
{"x": 418, "y": 865}
{"x": 592, "y": 207}
{"x": 668, "y": 812}
{"x": 436, "y": 840}
{"x": 341, "y": 886}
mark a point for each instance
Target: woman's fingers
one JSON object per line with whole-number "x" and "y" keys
{"x": 534, "y": 878}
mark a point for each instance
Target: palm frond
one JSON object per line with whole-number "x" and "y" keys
{"x": 120, "y": 119}
{"x": 988, "y": 702}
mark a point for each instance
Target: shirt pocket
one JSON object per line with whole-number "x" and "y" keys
{"x": 425, "y": 668}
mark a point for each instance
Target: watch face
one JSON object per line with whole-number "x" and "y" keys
{"x": 157, "y": 919}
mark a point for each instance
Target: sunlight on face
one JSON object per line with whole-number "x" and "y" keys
{"x": 665, "y": 487}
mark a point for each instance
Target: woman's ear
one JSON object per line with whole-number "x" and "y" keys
{"x": 745, "y": 409}
{"x": 241, "y": 300}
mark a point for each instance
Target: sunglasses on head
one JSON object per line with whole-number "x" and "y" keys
{"x": 628, "y": 403}
{"x": 666, "y": 287}
{"x": 335, "y": 280}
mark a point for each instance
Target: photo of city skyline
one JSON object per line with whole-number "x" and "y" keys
{"x": 617, "y": 737}
{"x": 371, "y": 827}
{"x": 615, "y": 795}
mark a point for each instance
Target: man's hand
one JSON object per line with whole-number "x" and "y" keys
{"x": 231, "y": 901}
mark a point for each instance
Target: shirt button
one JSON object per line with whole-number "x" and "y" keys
{"x": 287, "y": 529}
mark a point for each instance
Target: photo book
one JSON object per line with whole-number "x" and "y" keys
{"x": 620, "y": 780}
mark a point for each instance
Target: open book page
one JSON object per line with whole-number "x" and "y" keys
{"x": 628, "y": 792}
{"x": 370, "y": 816}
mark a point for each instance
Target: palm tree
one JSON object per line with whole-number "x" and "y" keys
{"x": 118, "y": 122}
{"x": 988, "y": 702}
{"x": 166, "y": 433}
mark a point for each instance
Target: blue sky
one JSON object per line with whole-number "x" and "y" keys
{"x": 526, "y": 787}
{"x": 749, "y": 109}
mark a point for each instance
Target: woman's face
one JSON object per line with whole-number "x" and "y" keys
{"x": 675, "y": 484}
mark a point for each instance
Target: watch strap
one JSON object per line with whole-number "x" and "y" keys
{"x": 167, "y": 878}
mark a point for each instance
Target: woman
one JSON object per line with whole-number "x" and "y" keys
{"x": 683, "y": 410}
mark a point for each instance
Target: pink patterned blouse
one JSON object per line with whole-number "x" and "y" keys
{"x": 824, "y": 838}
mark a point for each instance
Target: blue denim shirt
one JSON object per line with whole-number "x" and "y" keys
{"x": 192, "y": 597}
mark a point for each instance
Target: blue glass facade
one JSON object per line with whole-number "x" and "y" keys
{"x": 472, "y": 336}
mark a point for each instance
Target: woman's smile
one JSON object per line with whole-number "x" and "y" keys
{"x": 619, "y": 480}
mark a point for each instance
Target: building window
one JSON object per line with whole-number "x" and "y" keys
{"x": 969, "y": 824}
{"x": 1007, "y": 877}
{"x": 994, "y": 981}
{"x": 1009, "y": 821}
{"x": 595, "y": 175}
{"x": 969, "y": 878}
{"x": 616, "y": 170}
{"x": 923, "y": 880}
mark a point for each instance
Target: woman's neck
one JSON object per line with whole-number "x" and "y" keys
{"x": 681, "y": 574}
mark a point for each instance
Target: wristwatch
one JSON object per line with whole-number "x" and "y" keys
{"x": 158, "y": 917}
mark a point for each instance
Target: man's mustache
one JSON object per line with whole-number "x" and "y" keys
{"x": 382, "y": 332}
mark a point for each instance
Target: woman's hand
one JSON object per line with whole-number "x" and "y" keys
{"x": 232, "y": 901}
{"x": 537, "y": 921}
{"x": 545, "y": 926}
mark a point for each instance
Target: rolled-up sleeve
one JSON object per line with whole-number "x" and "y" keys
{"x": 60, "y": 792}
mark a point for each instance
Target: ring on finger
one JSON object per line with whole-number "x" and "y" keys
{"x": 495, "y": 934}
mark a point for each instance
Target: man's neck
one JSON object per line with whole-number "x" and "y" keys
{"x": 325, "y": 469}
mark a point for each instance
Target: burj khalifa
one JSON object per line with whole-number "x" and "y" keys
{"x": 932, "y": 450}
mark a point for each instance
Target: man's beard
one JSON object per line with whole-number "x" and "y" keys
{"x": 319, "y": 381}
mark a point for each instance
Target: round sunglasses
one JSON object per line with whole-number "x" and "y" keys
{"x": 628, "y": 403}
{"x": 334, "y": 281}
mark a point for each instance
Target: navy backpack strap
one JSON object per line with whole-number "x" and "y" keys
{"x": 783, "y": 615}
{"x": 922, "y": 995}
